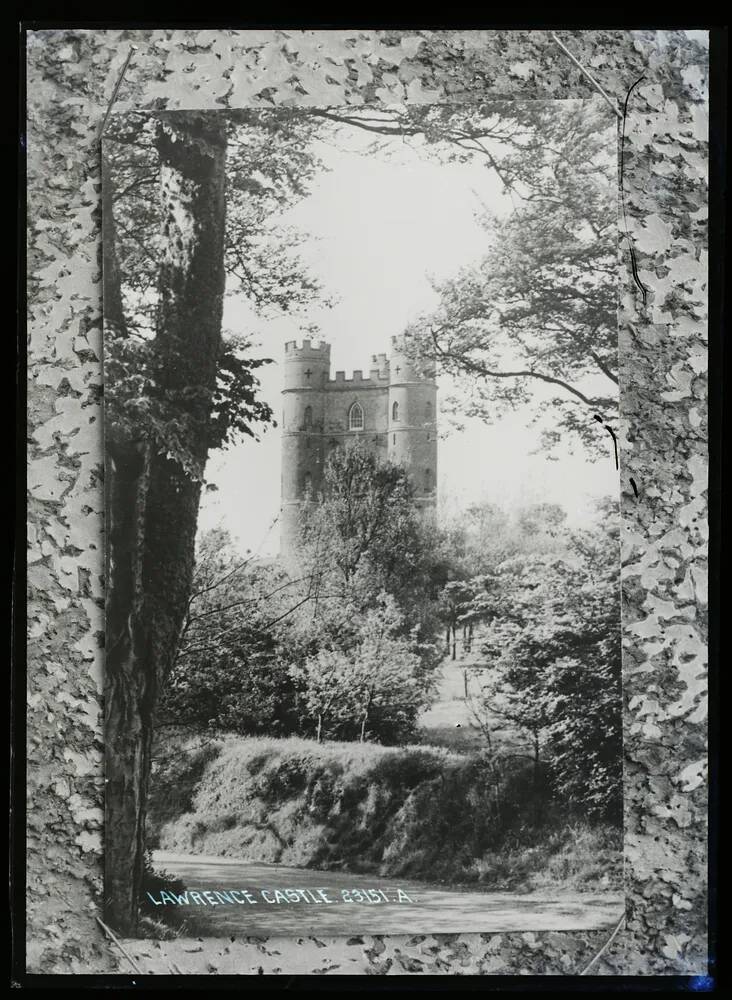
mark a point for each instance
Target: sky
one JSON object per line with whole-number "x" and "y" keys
{"x": 378, "y": 226}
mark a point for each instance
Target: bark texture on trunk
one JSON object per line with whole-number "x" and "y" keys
{"x": 152, "y": 500}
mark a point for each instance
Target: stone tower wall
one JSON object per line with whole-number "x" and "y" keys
{"x": 412, "y": 414}
{"x": 307, "y": 369}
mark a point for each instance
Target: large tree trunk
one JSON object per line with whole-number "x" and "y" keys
{"x": 153, "y": 488}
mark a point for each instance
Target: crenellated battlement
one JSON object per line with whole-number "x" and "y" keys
{"x": 308, "y": 348}
{"x": 374, "y": 378}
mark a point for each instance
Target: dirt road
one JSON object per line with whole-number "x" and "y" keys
{"x": 263, "y": 900}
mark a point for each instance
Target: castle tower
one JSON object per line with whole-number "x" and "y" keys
{"x": 391, "y": 412}
{"x": 412, "y": 415}
{"x": 307, "y": 370}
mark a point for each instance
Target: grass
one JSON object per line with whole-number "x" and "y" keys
{"x": 178, "y": 767}
{"x": 418, "y": 811}
{"x": 575, "y": 856}
{"x": 449, "y": 721}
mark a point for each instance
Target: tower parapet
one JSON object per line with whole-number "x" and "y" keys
{"x": 374, "y": 378}
{"x": 380, "y": 364}
{"x": 406, "y": 368}
{"x": 307, "y": 365}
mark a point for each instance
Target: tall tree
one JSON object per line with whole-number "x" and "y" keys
{"x": 174, "y": 389}
{"x": 152, "y": 497}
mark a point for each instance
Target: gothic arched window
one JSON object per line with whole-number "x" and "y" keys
{"x": 428, "y": 411}
{"x": 308, "y": 416}
{"x": 395, "y": 411}
{"x": 355, "y": 417}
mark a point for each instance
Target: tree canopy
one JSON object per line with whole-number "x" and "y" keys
{"x": 538, "y": 311}
{"x": 364, "y": 534}
{"x": 269, "y": 165}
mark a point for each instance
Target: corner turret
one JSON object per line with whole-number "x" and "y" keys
{"x": 412, "y": 439}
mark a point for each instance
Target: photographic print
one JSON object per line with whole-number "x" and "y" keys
{"x": 362, "y": 650}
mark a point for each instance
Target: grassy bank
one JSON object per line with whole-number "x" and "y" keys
{"x": 419, "y": 812}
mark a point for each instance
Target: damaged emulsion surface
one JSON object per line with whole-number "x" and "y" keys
{"x": 662, "y": 444}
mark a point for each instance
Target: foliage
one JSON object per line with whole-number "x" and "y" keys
{"x": 538, "y": 313}
{"x": 553, "y": 648}
{"x": 271, "y": 654}
{"x": 473, "y": 545}
{"x": 519, "y": 140}
{"x": 253, "y": 658}
{"x": 478, "y": 538}
{"x": 71, "y": 73}
{"x": 180, "y": 758}
{"x": 231, "y": 670}
{"x": 269, "y": 164}
{"x": 373, "y": 687}
{"x": 140, "y": 405}
{"x": 263, "y": 653}
{"x": 363, "y": 535}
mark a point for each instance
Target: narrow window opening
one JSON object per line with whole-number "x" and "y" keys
{"x": 355, "y": 417}
{"x": 395, "y": 411}
{"x": 308, "y": 416}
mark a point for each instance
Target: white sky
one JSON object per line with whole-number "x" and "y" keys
{"x": 378, "y": 226}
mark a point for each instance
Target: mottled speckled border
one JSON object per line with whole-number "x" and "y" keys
{"x": 663, "y": 446}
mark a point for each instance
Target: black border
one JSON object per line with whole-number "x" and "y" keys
{"x": 718, "y": 317}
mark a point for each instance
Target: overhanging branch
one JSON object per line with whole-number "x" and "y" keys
{"x": 479, "y": 369}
